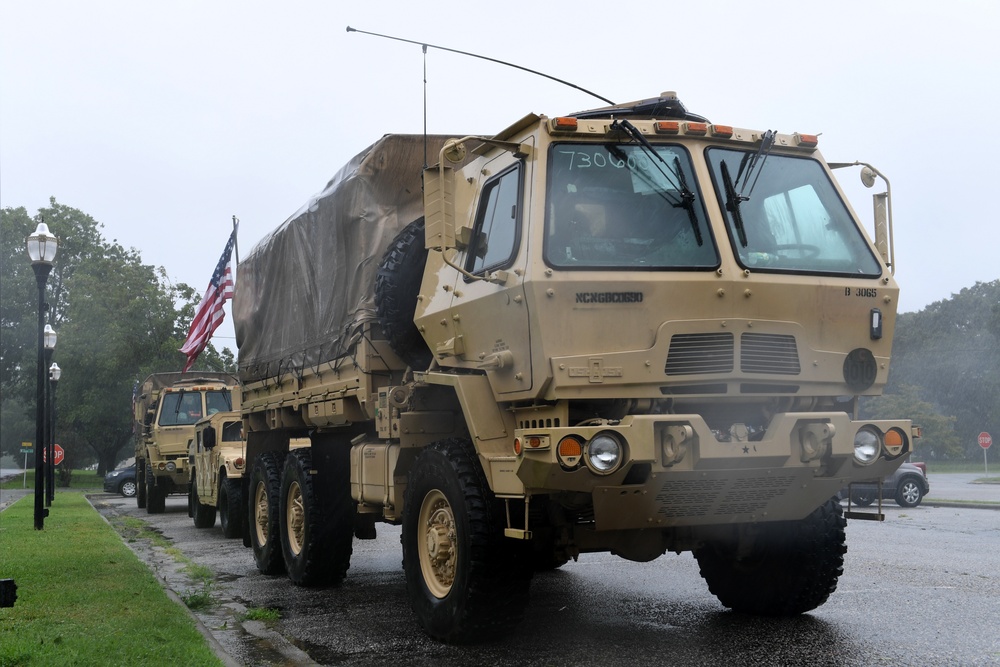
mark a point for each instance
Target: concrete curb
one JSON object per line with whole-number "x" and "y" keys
{"x": 963, "y": 504}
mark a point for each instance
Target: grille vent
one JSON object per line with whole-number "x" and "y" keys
{"x": 769, "y": 353}
{"x": 692, "y": 354}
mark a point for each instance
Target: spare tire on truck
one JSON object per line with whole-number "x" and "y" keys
{"x": 397, "y": 285}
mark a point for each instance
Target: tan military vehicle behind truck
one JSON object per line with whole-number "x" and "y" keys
{"x": 167, "y": 407}
{"x": 627, "y": 330}
{"x": 216, "y": 465}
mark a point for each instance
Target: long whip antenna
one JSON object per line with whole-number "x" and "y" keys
{"x": 492, "y": 60}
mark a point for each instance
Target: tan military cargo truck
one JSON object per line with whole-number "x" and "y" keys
{"x": 167, "y": 407}
{"x": 627, "y": 330}
{"x": 215, "y": 470}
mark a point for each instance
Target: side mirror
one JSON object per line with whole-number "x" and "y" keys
{"x": 208, "y": 437}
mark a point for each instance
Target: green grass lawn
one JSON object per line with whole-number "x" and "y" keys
{"x": 79, "y": 479}
{"x": 83, "y": 598}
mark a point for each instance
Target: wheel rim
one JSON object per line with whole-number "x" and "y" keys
{"x": 295, "y": 517}
{"x": 260, "y": 513}
{"x": 128, "y": 489}
{"x": 910, "y": 492}
{"x": 437, "y": 543}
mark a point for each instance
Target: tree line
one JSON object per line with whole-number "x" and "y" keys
{"x": 119, "y": 319}
{"x": 945, "y": 374}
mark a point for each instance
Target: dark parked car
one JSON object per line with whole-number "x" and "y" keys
{"x": 907, "y": 486}
{"x": 121, "y": 481}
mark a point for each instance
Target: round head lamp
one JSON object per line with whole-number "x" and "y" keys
{"x": 867, "y": 445}
{"x": 604, "y": 453}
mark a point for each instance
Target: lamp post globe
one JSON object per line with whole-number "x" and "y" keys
{"x": 42, "y": 246}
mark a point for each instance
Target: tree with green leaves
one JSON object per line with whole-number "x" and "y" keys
{"x": 118, "y": 320}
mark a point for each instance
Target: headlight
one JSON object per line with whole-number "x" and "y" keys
{"x": 171, "y": 466}
{"x": 114, "y": 473}
{"x": 604, "y": 453}
{"x": 867, "y": 445}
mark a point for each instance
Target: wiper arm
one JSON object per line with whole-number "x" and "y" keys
{"x": 733, "y": 201}
{"x": 674, "y": 175}
{"x": 750, "y": 161}
{"x": 687, "y": 201}
{"x": 636, "y": 135}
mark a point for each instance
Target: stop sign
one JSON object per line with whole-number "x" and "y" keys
{"x": 60, "y": 454}
{"x": 985, "y": 440}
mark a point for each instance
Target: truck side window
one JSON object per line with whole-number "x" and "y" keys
{"x": 232, "y": 431}
{"x": 495, "y": 232}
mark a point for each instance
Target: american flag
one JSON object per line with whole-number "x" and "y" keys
{"x": 209, "y": 314}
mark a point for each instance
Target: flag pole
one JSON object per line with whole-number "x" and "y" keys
{"x": 236, "y": 246}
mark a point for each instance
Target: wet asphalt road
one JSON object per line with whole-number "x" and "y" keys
{"x": 920, "y": 588}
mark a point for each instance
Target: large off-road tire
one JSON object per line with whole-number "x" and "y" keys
{"x": 791, "y": 568}
{"x": 231, "y": 512}
{"x": 263, "y": 514}
{"x": 317, "y": 527}
{"x": 465, "y": 580}
{"x": 156, "y": 495}
{"x": 909, "y": 493}
{"x": 397, "y": 285}
{"x": 204, "y": 515}
{"x": 140, "y": 484}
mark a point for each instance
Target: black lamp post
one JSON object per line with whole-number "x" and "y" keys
{"x": 49, "y": 337}
{"x": 42, "y": 246}
{"x": 54, "y": 374}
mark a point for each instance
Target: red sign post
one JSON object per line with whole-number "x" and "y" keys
{"x": 985, "y": 440}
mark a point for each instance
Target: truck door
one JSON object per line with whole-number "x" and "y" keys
{"x": 490, "y": 315}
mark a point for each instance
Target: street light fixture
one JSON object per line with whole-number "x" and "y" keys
{"x": 54, "y": 374}
{"x": 42, "y": 247}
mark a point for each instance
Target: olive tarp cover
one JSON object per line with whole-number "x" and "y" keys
{"x": 305, "y": 291}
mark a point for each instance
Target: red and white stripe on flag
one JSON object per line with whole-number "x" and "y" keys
{"x": 209, "y": 314}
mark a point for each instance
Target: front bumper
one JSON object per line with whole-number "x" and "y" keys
{"x": 676, "y": 472}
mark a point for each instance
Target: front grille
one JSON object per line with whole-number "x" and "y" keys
{"x": 719, "y": 498}
{"x": 693, "y": 354}
{"x": 774, "y": 354}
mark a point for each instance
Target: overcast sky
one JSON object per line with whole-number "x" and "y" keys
{"x": 162, "y": 119}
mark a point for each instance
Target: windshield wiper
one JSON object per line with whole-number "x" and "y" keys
{"x": 750, "y": 163}
{"x": 733, "y": 201}
{"x": 755, "y": 161}
{"x": 674, "y": 175}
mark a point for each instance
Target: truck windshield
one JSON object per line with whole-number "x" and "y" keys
{"x": 793, "y": 221}
{"x": 614, "y": 206}
{"x": 218, "y": 401}
{"x": 181, "y": 408}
